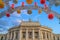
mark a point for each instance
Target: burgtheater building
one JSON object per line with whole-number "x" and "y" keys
{"x": 29, "y": 30}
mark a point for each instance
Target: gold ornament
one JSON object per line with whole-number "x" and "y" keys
{"x": 1, "y": 4}
{"x": 29, "y": 1}
{"x": 29, "y": 12}
{"x": 18, "y": 11}
{"x": 40, "y": 11}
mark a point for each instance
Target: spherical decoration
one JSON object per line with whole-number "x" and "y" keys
{"x": 42, "y": 1}
{"x": 29, "y": 1}
{"x": 7, "y": 15}
{"x": 40, "y": 11}
{"x": 50, "y": 16}
{"x": 1, "y": 4}
{"x": 18, "y": 11}
{"x": 29, "y": 12}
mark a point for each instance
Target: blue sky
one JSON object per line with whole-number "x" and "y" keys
{"x": 15, "y": 19}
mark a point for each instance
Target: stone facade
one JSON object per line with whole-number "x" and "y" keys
{"x": 28, "y": 30}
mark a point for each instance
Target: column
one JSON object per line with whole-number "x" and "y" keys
{"x": 39, "y": 34}
{"x": 11, "y": 36}
{"x": 46, "y": 35}
{"x": 33, "y": 34}
{"x": 26, "y": 34}
{"x": 51, "y": 36}
{"x": 20, "y": 35}
{"x": 14, "y": 35}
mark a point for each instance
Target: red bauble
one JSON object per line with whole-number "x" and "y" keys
{"x": 42, "y": 1}
{"x": 7, "y": 14}
{"x": 50, "y": 16}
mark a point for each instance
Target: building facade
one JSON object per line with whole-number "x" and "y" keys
{"x": 29, "y": 30}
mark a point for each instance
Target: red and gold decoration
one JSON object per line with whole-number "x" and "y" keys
{"x": 42, "y": 1}
{"x": 35, "y": 4}
{"x": 1, "y": 4}
{"x": 29, "y": 12}
{"x": 50, "y": 16}
{"x": 45, "y": 7}
{"x": 40, "y": 11}
{"x": 12, "y": 6}
{"x": 7, "y": 14}
{"x": 18, "y": 11}
{"x": 22, "y": 4}
{"x": 29, "y": 1}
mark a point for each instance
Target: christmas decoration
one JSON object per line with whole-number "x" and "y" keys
{"x": 7, "y": 15}
{"x": 1, "y": 4}
{"x": 50, "y": 16}
{"x": 29, "y": 12}
{"x": 29, "y": 1}
{"x": 42, "y": 1}
{"x": 18, "y": 11}
{"x": 39, "y": 11}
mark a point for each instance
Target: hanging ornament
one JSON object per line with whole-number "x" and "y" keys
{"x": 42, "y": 1}
{"x": 45, "y": 7}
{"x": 7, "y": 15}
{"x": 40, "y": 11}
{"x": 22, "y": 4}
{"x": 15, "y": 1}
{"x": 12, "y": 6}
{"x": 29, "y": 1}
{"x": 29, "y": 12}
{"x": 35, "y": 4}
{"x": 1, "y": 4}
{"x": 50, "y": 16}
{"x": 18, "y": 11}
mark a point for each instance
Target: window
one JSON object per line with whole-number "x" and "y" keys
{"x": 23, "y": 34}
{"x": 36, "y": 34}
{"x": 30, "y": 34}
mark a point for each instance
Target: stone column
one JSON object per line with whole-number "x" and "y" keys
{"x": 7, "y": 37}
{"x": 51, "y": 36}
{"x": 39, "y": 34}
{"x": 20, "y": 35}
{"x": 26, "y": 34}
{"x": 46, "y": 35}
{"x": 14, "y": 35}
{"x": 33, "y": 34}
{"x": 11, "y": 36}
